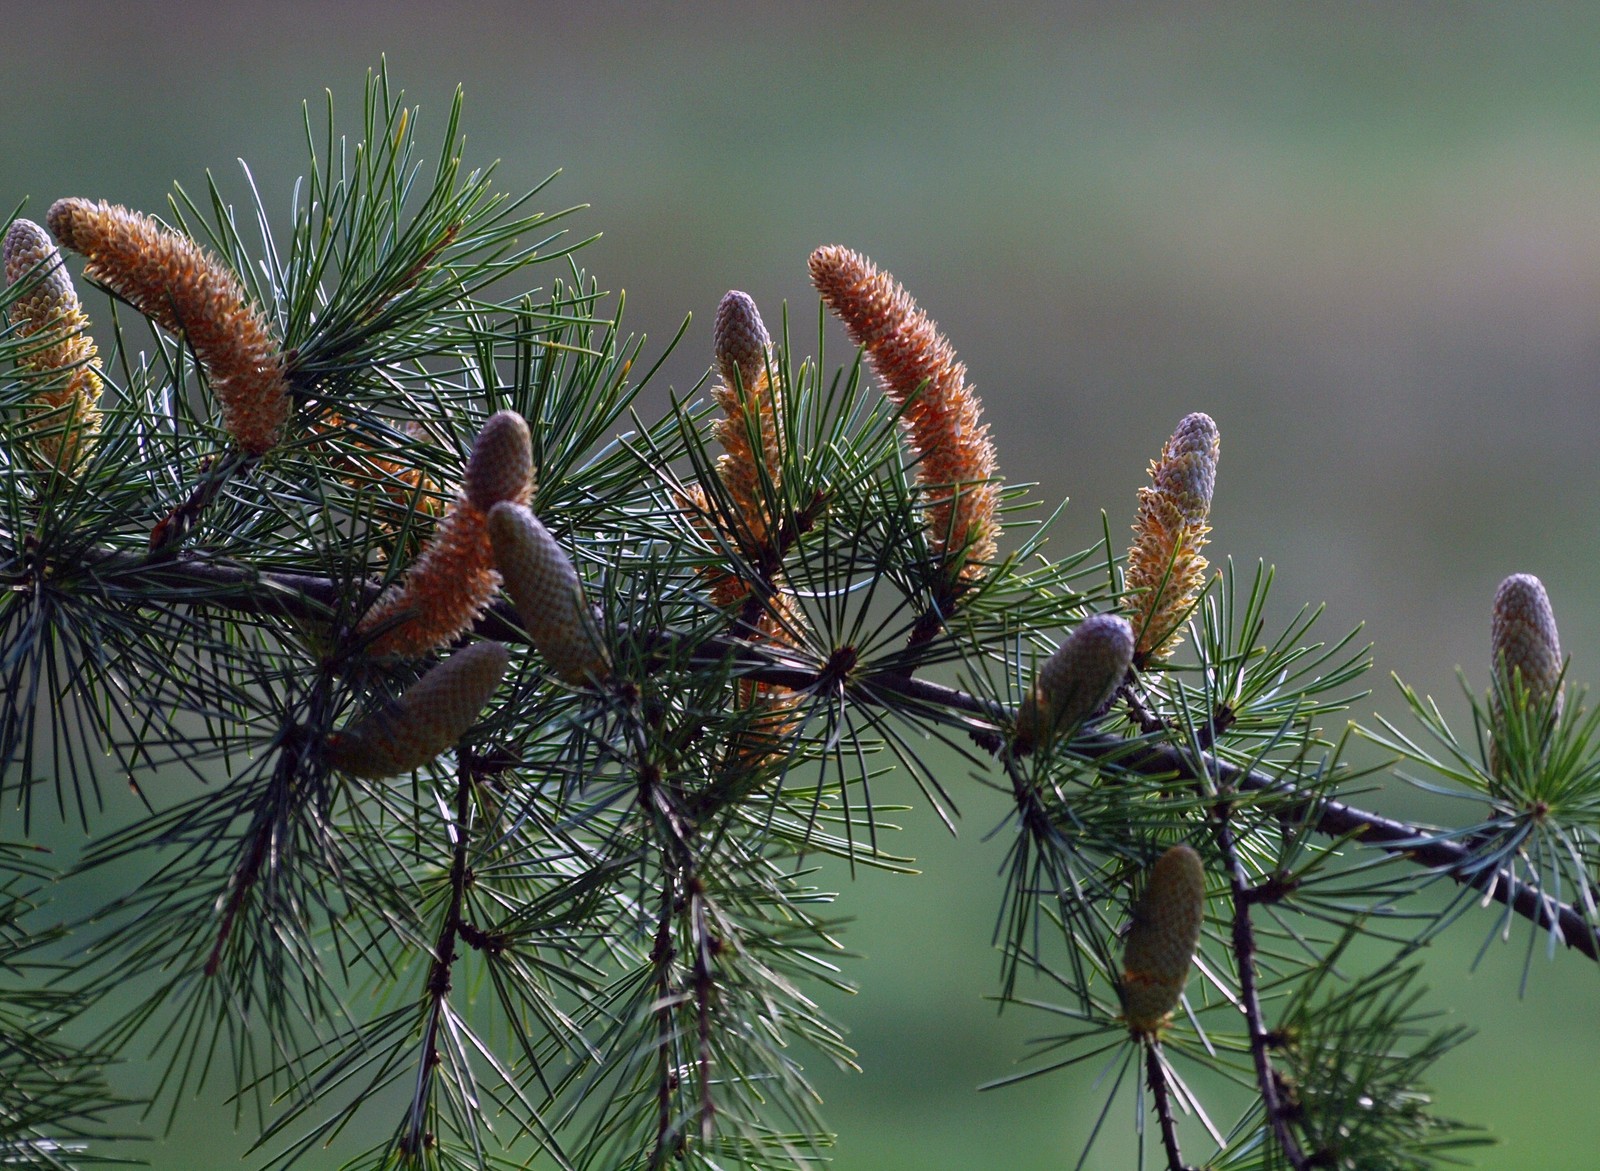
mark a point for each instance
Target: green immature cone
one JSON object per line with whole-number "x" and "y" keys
{"x": 1524, "y": 638}
{"x": 501, "y": 464}
{"x": 1076, "y": 681}
{"x": 1162, "y": 940}
{"x": 429, "y": 718}
{"x": 1526, "y": 649}
{"x": 740, "y": 340}
{"x": 545, "y": 588}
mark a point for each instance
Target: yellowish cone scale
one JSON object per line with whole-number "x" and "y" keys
{"x": 178, "y": 285}
{"x": 429, "y": 718}
{"x": 1525, "y": 645}
{"x": 1162, "y": 939}
{"x": 1076, "y": 680}
{"x": 547, "y": 593}
{"x": 1165, "y": 572}
{"x": 501, "y": 465}
{"x": 49, "y": 315}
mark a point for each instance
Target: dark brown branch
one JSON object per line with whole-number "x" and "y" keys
{"x": 415, "y": 1136}
{"x": 1156, "y": 1078}
{"x": 1244, "y": 954}
{"x": 246, "y": 590}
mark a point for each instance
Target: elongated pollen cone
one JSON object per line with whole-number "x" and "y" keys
{"x": 60, "y": 354}
{"x": 1075, "y": 681}
{"x": 429, "y": 718}
{"x": 543, "y": 584}
{"x": 501, "y": 464}
{"x": 1162, "y": 940}
{"x": 178, "y": 285}
{"x": 1165, "y": 571}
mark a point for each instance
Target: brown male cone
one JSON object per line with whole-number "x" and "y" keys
{"x": 918, "y": 368}
{"x": 1162, "y": 939}
{"x": 63, "y": 419}
{"x": 545, "y": 588}
{"x": 454, "y": 579}
{"x": 429, "y": 718}
{"x": 178, "y": 285}
{"x": 1076, "y": 680}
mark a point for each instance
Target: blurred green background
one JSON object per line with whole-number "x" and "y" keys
{"x": 1363, "y": 237}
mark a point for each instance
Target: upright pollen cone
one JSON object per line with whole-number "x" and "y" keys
{"x": 1162, "y": 940}
{"x": 545, "y": 588}
{"x": 453, "y": 579}
{"x": 178, "y": 285}
{"x": 1165, "y": 571}
{"x": 918, "y": 368}
{"x": 1076, "y": 680}
{"x": 429, "y": 718}
{"x": 61, "y": 356}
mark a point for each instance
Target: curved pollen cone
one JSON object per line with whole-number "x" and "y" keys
{"x": 501, "y": 465}
{"x": 1162, "y": 939}
{"x": 545, "y": 588}
{"x": 175, "y": 283}
{"x": 918, "y": 369}
{"x": 49, "y": 313}
{"x": 434, "y": 713}
{"x": 1076, "y": 680}
{"x": 1165, "y": 571}
{"x": 453, "y": 579}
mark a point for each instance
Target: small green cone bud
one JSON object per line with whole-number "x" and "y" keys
{"x": 1162, "y": 940}
{"x": 1075, "y": 681}
{"x": 740, "y": 340}
{"x": 548, "y": 595}
{"x": 1524, "y": 640}
{"x": 1524, "y": 645}
{"x": 501, "y": 464}
{"x": 429, "y": 718}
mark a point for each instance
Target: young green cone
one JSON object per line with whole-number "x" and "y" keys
{"x": 1162, "y": 940}
{"x": 548, "y": 595}
{"x": 1524, "y": 646}
{"x": 1072, "y": 684}
{"x": 501, "y": 464}
{"x": 430, "y": 717}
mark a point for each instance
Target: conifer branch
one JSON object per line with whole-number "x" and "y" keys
{"x": 1156, "y": 1079}
{"x": 1268, "y": 1083}
{"x": 242, "y": 589}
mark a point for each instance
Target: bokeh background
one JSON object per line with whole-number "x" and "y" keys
{"x": 1364, "y": 237}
